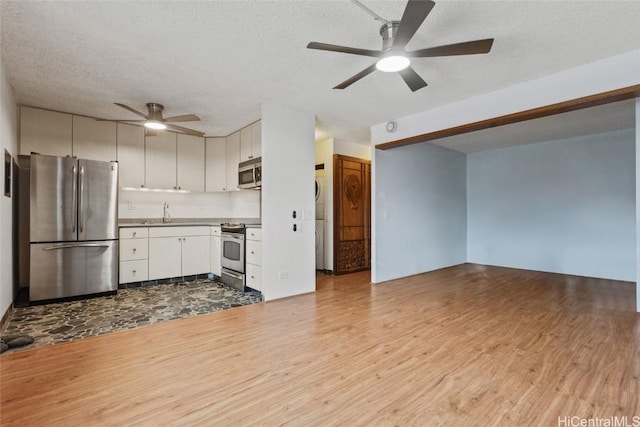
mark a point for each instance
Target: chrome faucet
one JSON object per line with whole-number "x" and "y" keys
{"x": 166, "y": 216}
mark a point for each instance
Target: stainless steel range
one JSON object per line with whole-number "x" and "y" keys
{"x": 233, "y": 254}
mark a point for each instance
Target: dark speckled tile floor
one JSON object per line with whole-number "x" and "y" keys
{"x": 129, "y": 308}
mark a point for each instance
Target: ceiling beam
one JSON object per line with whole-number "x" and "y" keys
{"x": 521, "y": 116}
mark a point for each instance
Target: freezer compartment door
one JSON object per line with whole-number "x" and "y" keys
{"x": 62, "y": 270}
{"x": 53, "y": 198}
{"x": 97, "y": 200}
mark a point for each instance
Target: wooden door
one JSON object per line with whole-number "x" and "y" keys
{"x": 352, "y": 214}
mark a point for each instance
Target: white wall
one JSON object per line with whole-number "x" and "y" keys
{"x": 562, "y": 206}
{"x": 353, "y": 149}
{"x": 288, "y": 151}
{"x": 9, "y": 142}
{"x": 420, "y": 199}
{"x": 149, "y": 204}
{"x": 637, "y": 204}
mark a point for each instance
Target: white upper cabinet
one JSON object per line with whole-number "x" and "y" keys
{"x": 190, "y": 162}
{"x": 160, "y": 160}
{"x": 245, "y": 143}
{"x": 251, "y": 142}
{"x": 215, "y": 164}
{"x": 94, "y": 140}
{"x": 256, "y": 139}
{"x": 130, "y": 155}
{"x": 233, "y": 158}
{"x": 45, "y": 132}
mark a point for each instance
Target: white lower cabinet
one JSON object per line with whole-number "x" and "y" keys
{"x": 134, "y": 271}
{"x": 216, "y": 251}
{"x": 178, "y": 251}
{"x": 165, "y": 257}
{"x": 134, "y": 255}
{"x": 195, "y": 255}
{"x": 254, "y": 258}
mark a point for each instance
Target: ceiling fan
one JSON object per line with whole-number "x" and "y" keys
{"x": 155, "y": 121}
{"x": 393, "y": 57}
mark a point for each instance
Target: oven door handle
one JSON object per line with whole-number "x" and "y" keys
{"x": 233, "y": 274}
{"x": 233, "y": 236}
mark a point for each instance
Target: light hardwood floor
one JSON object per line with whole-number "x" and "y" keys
{"x": 467, "y": 345}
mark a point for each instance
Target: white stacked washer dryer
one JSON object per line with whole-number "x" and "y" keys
{"x": 320, "y": 219}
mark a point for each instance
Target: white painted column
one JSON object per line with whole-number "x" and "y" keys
{"x": 638, "y": 204}
{"x": 288, "y": 164}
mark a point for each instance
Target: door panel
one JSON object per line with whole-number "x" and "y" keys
{"x": 352, "y": 214}
{"x": 53, "y": 199}
{"x": 165, "y": 257}
{"x": 72, "y": 269}
{"x": 196, "y": 257}
{"x": 98, "y": 200}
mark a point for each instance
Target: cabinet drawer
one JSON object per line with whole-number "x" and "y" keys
{"x": 132, "y": 249}
{"x": 134, "y": 271}
{"x": 254, "y": 277}
{"x": 254, "y": 252}
{"x": 134, "y": 233}
{"x": 254, "y": 233}
{"x": 178, "y": 231}
{"x": 215, "y": 231}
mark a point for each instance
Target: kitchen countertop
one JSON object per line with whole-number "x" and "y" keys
{"x": 184, "y": 222}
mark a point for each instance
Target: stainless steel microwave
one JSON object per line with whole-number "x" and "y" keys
{"x": 250, "y": 173}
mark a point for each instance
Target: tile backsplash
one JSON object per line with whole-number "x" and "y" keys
{"x": 149, "y": 204}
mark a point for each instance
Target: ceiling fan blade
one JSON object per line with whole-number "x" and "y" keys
{"x": 184, "y": 118}
{"x": 414, "y": 15}
{"x": 412, "y": 79}
{"x": 344, "y": 49}
{"x": 357, "y": 77}
{"x": 465, "y": 48}
{"x": 126, "y": 107}
{"x": 184, "y": 130}
{"x": 122, "y": 120}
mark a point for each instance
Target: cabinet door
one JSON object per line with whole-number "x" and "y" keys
{"x": 254, "y": 277}
{"x": 94, "y": 140}
{"x": 45, "y": 132}
{"x": 160, "y": 159}
{"x": 216, "y": 245}
{"x": 233, "y": 158}
{"x": 245, "y": 144}
{"x": 165, "y": 255}
{"x": 130, "y": 152}
{"x": 190, "y": 163}
{"x": 196, "y": 258}
{"x": 254, "y": 252}
{"x": 134, "y": 271}
{"x": 216, "y": 166}
{"x": 256, "y": 139}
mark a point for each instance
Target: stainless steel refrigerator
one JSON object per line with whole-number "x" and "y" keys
{"x": 73, "y": 227}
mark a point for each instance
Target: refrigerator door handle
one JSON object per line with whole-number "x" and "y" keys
{"x": 81, "y": 210}
{"x": 76, "y": 245}
{"x": 74, "y": 198}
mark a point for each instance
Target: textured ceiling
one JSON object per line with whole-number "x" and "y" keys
{"x": 222, "y": 59}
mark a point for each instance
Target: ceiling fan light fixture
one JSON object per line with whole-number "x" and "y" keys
{"x": 395, "y": 61}
{"x": 155, "y": 124}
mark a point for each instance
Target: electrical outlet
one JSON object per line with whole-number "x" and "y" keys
{"x": 131, "y": 206}
{"x": 283, "y": 275}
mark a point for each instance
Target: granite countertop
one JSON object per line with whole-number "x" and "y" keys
{"x": 177, "y": 222}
